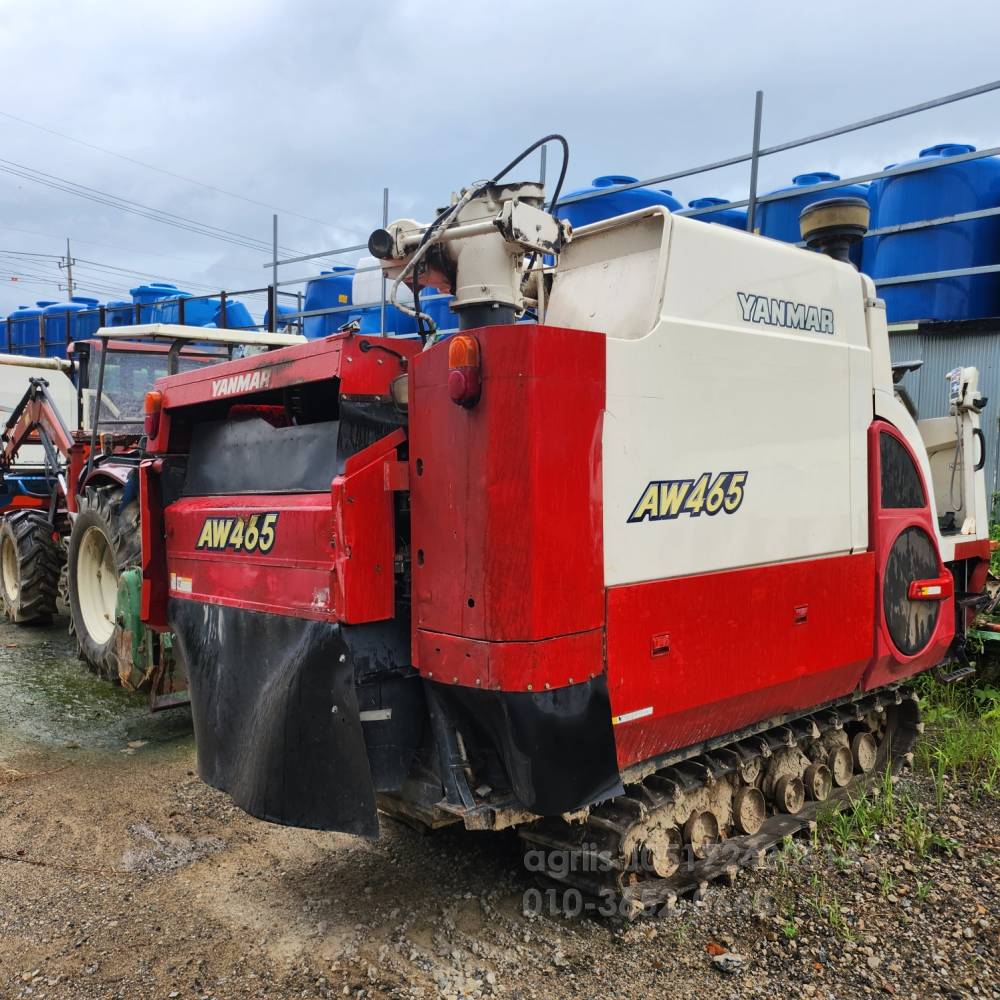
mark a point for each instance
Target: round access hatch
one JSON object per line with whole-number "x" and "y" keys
{"x": 911, "y": 623}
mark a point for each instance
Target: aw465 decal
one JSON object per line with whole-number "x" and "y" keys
{"x": 238, "y": 534}
{"x": 667, "y": 499}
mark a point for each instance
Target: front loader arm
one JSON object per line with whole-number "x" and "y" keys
{"x": 36, "y": 419}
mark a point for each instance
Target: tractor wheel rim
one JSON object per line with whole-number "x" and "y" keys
{"x": 11, "y": 570}
{"x": 97, "y": 585}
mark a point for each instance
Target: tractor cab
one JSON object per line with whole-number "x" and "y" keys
{"x": 126, "y": 362}
{"x": 80, "y": 539}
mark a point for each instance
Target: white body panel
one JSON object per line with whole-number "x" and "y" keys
{"x": 728, "y": 353}
{"x": 703, "y": 389}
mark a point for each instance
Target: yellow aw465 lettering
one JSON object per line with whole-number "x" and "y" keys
{"x": 667, "y": 499}
{"x": 238, "y": 534}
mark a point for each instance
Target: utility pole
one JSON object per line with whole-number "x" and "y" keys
{"x": 68, "y": 265}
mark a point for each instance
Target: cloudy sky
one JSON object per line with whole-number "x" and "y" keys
{"x": 310, "y": 108}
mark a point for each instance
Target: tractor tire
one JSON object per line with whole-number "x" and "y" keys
{"x": 30, "y": 564}
{"x": 104, "y": 541}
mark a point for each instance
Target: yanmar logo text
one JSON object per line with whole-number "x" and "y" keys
{"x": 247, "y": 382}
{"x": 781, "y": 312}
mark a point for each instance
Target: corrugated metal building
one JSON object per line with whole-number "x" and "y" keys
{"x": 942, "y": 347}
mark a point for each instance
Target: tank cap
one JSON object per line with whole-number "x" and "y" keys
{"x": 610, "y": 180}
{"x": 707, "y": 202}
{"x": 948, "y": 149}
{"x": 816, "y": 177}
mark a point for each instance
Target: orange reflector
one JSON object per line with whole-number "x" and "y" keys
{"x": 463, "y": 351}
{"x": 153, "y": 402}
{"x": 152, "y": 405}
{"x": 932, "y": 590}
{"x": 464, "y": 377}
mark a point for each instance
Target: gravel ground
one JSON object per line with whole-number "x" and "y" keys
{"x": 123, "y": 876}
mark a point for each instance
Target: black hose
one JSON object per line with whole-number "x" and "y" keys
{"x": 554, "y": 137}
{"x": 433, "y": 227}
{"x": 416, "y": 307}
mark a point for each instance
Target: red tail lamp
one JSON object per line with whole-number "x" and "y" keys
{"x": 938, "y": 589}
{"x": 464, "y": 370}
{"x": 152, "y": 406}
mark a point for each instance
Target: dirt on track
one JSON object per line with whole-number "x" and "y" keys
{"x": 123, "y": 876}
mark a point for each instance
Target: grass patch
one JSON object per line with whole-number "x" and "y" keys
{"x": 877, "y": 808}
{"x": 962, "y": 738}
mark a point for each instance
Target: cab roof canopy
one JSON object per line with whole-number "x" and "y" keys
{"x": 174, "y": 332}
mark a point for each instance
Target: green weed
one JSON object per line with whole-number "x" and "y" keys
{"x": 962, "y": 739}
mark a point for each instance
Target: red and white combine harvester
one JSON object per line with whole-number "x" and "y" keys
{"x": 639, "y": 578}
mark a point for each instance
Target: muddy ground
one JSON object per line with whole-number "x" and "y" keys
{"x": 122, "y": 875}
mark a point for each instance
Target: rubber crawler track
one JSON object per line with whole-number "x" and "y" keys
{"x": 608, "y": 855}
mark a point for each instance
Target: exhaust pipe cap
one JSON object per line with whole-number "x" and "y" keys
{"x": 835, "y": 225}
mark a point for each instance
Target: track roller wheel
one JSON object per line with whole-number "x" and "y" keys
{"x": 30, "y": 564}
{"x": 818, "y": 782}
{"x": 841, "y": 765}
{"x": 702, "y": 831}
{"x": 749, "y": 809}
{"x": 864, "y": 752}
{"x": 104, "y": 541}
{"x": 661, "y": 851}
{"x": 789, "y": 795}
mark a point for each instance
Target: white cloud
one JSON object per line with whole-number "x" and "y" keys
{"x": 314, "y": 106}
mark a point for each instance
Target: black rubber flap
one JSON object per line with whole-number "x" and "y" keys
{"x": 230, "y": 457}
{"x": 276, "y": 716}
{"x": 557, "y": 747}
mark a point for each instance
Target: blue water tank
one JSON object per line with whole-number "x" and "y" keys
{"x": 580, "y": 213}
{"x": 736, "y": 218}
{"x": 956, "y": 188}
{"x": 24, "y": 329}
{"x": 237, "y": 315}
{"x": 286, "y": 315}
{"x": 153, "y": 292}
{"x": 167, "y": 309}
{"x": 61, "y": 325}
{"x": 148, "y": 295}
{"x": 435, "y": 305}
{"x": 118, "y": 313}
{"x": 330, "y": 290}
{"x": 780, "y": 219}
{"x": 88, "y": 322}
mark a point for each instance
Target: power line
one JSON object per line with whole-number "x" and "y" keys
{"x": 134, "y": 207}
{"x": 81, "y": 261}
{"x": 28, "y": 253}
{"x": 160, "y": 170}
{"x": 118, "y": 246}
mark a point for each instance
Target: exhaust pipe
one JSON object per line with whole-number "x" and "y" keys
{"x": 835, "y": 226}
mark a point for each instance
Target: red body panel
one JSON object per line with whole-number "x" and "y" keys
{"x": 734, "y": 647}
{"x": 332, "y": 556}
{"x": 507, "y": 551}
{"x": 511, "y": 666}
{"x": 361, "y": 373}
{"x": 506, "y": 494}
{"x": 364, "y": 534}
{"x": 294, "y": 577}
{"x": 885, "y": 525}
